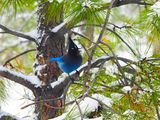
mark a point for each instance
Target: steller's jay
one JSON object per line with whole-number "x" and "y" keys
{"x": 70, "y": 61}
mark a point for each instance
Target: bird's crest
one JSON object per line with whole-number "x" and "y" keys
{"x": 73, "y": 49}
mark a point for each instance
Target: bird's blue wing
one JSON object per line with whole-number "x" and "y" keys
{"x": 58, "y": 59}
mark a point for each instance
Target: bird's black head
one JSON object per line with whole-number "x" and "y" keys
{"x": 73, "y": 49}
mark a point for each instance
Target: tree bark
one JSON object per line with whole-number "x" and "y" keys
{"x": 50, "y": 45}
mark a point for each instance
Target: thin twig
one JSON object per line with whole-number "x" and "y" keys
{"x": 83, "y": 36}
{"x": 77, "y": 103}
{"x": 95, "y": 46}
{"x": 117, "y": 63}
{"x": 27, "y": 51}
{"x": 110, "y": 30}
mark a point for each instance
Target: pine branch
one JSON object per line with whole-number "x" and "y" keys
{"x": 30, "y": 82}
{"x": 18, "y": 34}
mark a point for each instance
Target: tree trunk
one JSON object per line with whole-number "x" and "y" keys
{"x": 51, "y": 45}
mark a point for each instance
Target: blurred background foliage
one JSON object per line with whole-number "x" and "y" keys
{"x": 135, "y": 24}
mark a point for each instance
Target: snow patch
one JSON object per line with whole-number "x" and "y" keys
{"x": 116, "y": 96}
{"x": 87, "y": 106}
{"x": 58, "y": 27}
{"x": 126, "y": 89}
{"x": 114, "y": 83}
{"x": 105, "y": 100}
{"x": 98, "y": 118}
{"x": 59, "y": 1}
{"x": 50, "y": 1}
{"x": 106, "y": 1}
{"x": 60, "y": 80}
{"x": 129, "y": 112}
{"x": 39, "y": 68}
{"x": 156, "y": 8}
{"x": 61, "y": 117}
{"x": 148, "y": 90}
{"x": 2, "y": 113}
{"x": 33, "y": 34}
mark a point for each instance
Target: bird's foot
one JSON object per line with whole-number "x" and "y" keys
{"x": 77, "y": 72}
{"x": 71, "y": 78}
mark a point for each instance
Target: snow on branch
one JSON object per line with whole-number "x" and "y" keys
{"x": 18, "y": 34}
{"x": 58, "y": 27}
{"x": 7, "y": 116}
{"x": 28, "y": 81}
{"x": 86, "y": 106}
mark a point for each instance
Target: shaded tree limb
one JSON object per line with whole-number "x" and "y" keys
{"x": 18, "y": 34}
{"x": 30, "y": 82}
{"x": 118, "y": 3}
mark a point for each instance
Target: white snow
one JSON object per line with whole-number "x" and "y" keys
{"x": 129, "y": 112}
{"x": 33, "y": 117}
{"x": 87, "y": 106}
{"x": 98, "y": 118}
{"x": 156, "y": 7}
{"x": 2, "y": 113}
{"x": 50, "y": 1}
{"x": 61, "y": 117}
{"x": 33, "y": 34}
{"x": 105, "y": 100}
{"x": 116, "y": 96}
{"x": 148, "y": 89}
{"x": 32, "y": 79}
{"x": 114, "y": 83}
{"x": 60, "y": 80}
{"x": 106, "y": 1}
{"x": 58, "y": 27}
{"x": 39, "y": 68}
{"x": 126, "y": 89}
{"x": 59, "y": 1}
{"x": 18, "y": 96}
{"x": 94, "y": 70}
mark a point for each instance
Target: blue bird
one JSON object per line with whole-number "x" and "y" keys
{"x": 70, "y": 61}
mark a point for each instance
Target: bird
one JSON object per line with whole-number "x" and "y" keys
{"x": 71, "y": 61}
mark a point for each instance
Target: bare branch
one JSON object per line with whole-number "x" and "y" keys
{"x": 18, "y": 56}
{"x": 18, "y": 34}
{"x": 118, "y": 3}
{"x": 30, "y": 82}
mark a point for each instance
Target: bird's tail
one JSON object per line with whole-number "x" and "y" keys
{"x": 55, "y": 59}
